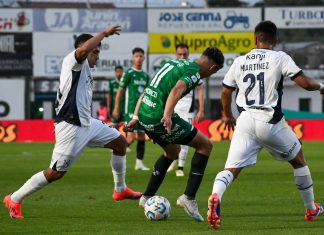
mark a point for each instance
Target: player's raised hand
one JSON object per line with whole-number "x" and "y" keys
{"x": 167, "y": 123}
{"x": 230, "y": 123}
{"x": 112, "y": 30}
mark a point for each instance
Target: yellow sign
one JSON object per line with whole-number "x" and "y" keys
{"x": 227, "y": 42}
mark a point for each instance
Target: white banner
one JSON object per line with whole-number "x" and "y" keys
{"x": 296, "y": 17}
{"x": 50, "y": 49}
{"x": 156, "y": 60}
{"x": 16, "y": 20}
{"x": 12, "y": 99}
{"x": 203, "y": 20}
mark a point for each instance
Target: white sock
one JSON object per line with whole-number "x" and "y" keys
{"x": 118, "y": 165}
{"x": 304, "y": 184}
{"x": 222, "y": 181}
{"x": 35, "y": 183}
{"x": 183, "y": 155}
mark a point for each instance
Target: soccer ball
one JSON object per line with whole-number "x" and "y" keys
{"x": 157, "y": 208}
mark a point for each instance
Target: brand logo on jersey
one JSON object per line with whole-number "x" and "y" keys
{"x": 255, "y": 56}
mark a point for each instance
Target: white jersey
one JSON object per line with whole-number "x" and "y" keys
{"x": 259, "y": 75}
{"x": 187, "y": 103}
{"x": 74, "y": 97}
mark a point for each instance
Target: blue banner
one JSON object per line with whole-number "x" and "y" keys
{"x": 88, "y": 20}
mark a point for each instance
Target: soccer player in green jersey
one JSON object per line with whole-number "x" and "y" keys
{"x": 155, "y": 112}
{"x": 113, "y": 86}
{"x": 133, "y": 84}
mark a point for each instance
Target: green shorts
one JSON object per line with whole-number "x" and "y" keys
{"x": 137, "y": 128}
{"x": 182, "y": 132}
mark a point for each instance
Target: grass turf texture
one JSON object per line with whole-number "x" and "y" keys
{"x": 263, "y": 201}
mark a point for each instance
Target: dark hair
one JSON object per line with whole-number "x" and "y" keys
{"x": 119, "y": 67}
{"x": 82, "y": 39}
{"x": 182, "y": 45}
{"x": 214, "y": 54}
{"x": 137, "y": 49}
{"x": 266, "y": 31}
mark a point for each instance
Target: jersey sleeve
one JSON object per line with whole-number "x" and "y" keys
{"x": 229, "y": 79}
{"x": 70, "y": 62}
{"x": 289, "y": 67}
{"x": 125, "y": 80}
{"x": 191, "y": 80}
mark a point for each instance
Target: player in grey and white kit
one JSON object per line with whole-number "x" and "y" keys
{"x": 75, "y": 128}
{"x": 259, "y": 77}
{"x": 185, "y": 109}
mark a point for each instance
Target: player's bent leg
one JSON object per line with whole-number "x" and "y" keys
{"x": 202, "y": 144}
{"x": 118, "y": 145}
{"x": 304, "y": 184}
{"x": 118, "y": 165}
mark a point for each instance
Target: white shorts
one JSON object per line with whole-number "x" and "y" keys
{"x": 251, "y": 135}
{"x": 71, "y": 141}
{"x": 189, "y": 117}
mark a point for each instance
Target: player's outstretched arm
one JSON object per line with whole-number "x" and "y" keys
{"x": 83, "y": 51}
{"x": 308, "y": 83}
{"x": 229, "y": 119}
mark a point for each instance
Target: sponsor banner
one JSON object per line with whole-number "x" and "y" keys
{"x": 89, "y": 20}
{"x": 305, "y": 129}
{"x": 12, "y": 99}
{"x": 203, "y": 20}
{"x": 16, "y": 54}
{"x": 16, "y": 20}
{"x": 27, "y": 131}
{"x": 227, "y": 42}
{"x": 156, "y": 60}
{"x": 43, "y": 130}
{"x": 45, "y": 89}
{"x": 116, "y": 50}
{"x": 296, "y": 17}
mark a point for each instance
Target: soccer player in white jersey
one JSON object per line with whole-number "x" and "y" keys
{"x": 185, "y": 109}
{"x": 259, "y": 77}
{"x": 75, "y": 128}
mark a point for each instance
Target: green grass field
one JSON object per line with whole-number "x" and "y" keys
{"x": 263, "y": 201}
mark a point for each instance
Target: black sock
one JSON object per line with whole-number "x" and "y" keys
{"x": 140, "y": 149}
{"x": 180, "y": 167}
{"x": 160, "y": 168}
{"x": 198, "y": 166}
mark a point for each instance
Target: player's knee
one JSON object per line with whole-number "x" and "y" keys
{"x": 121, "y": 147}
{"x": 53, "y": 175}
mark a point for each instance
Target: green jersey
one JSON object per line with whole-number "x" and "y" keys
{"x": 134, "y": 83}
{"x": 113, "y": 86}
{"x": 156, "y": 94}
